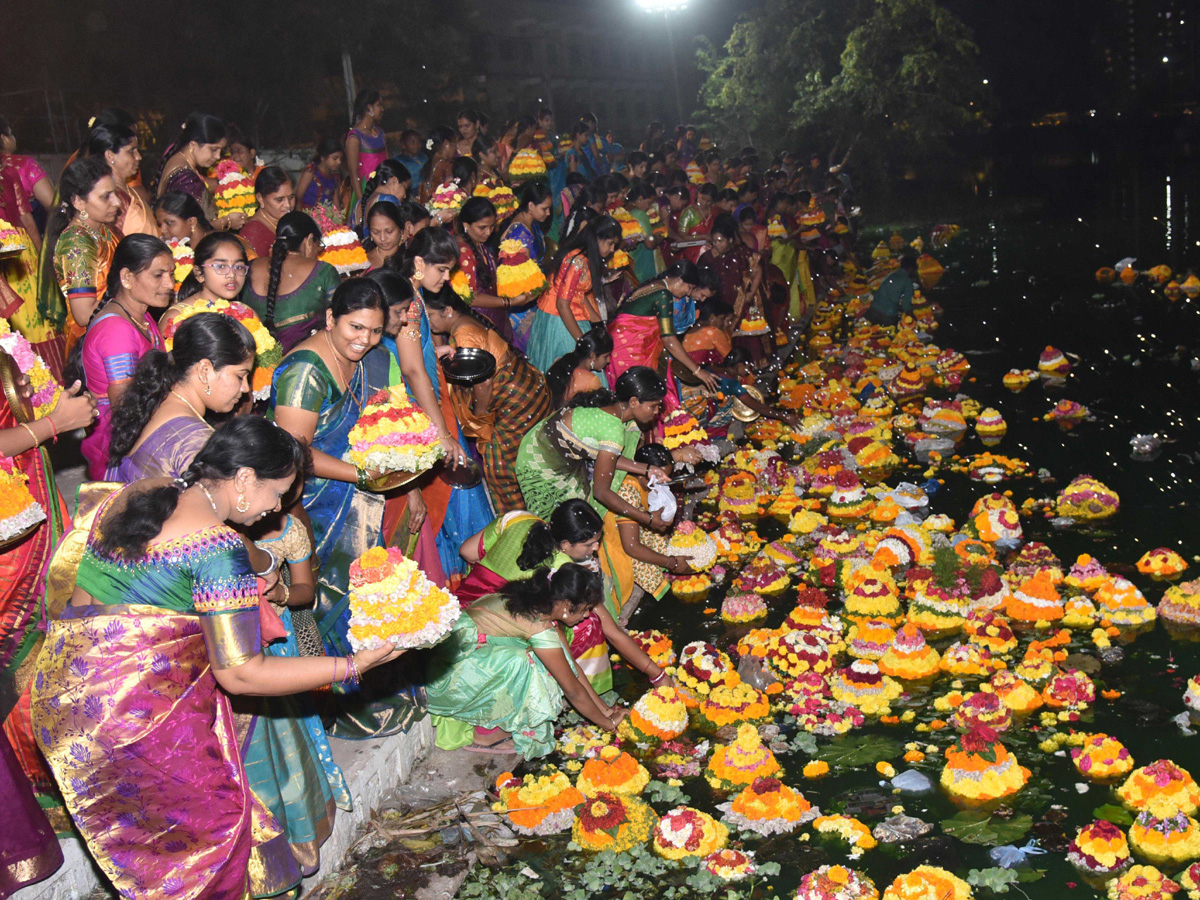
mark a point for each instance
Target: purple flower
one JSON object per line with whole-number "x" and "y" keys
{"x": 80, "y": 787}
{"x": 58, "y": 645}
{"x": 79, "y": 667}
{"x": 40, "y": 681}
{"x": 114, "y": 630}
{"x": 45, "y": 736}
{"x": 140, "y": 712}
{"x": 127, "y": 820}
{"x": 93, "y": 708}
{"x": 160, "y": 665}
{"x": 175, "y": 846}
{"x": 53, "y": 703}
{"x": 79, "y": 753}
{"x": 172, "y": 885}
{"x": 127, "y": 789}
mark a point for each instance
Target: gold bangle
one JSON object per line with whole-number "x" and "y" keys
{"x": 36, "y": 442}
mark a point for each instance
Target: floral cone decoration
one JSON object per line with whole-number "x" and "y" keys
{"x": 656, "y": 645}
{"x": 340, "y": 246}
{"x": 1087, "y": 499}
{"x": 526, "y": 165}
{"x": 980, "y": 769}
{"x": 680, "y": 429}
{"x": 393, "y": 434}
{"x": 42, "y": 382}
{"x": 12, "y": 240}
{"x": 1190, "y": 881}
{"x": 235, "y": 189}
{"x": 613, "y": 771}
{"x": 619, "y": 260}
{"x": 19, "y": 511}
{"x": 836, "y": 883}
{"x": 659, "y": 715}
{"x": 448, "y": 196}
{"x": 1162, "y": 789}
{"x": 1099, "y": 849}
{"x": 1169, "y": 841}
{"x": 516, "y": 273}
{"x": 731, "y": 865}
{"x": 184, "y": 258}
{"x": 612, "y": 822}
{"x": 1162, "y": 562}
{"x": 849, "y": 829}
{"x": 503, "y": 199}
{"x": 267, "y": 352}
{"x": 685, "y": 832}
{"x": 460, "y": 283}
{"x": 391, "y": 600}
{"x": 768, "y": 806}
{"x": 733, "y": 766}
{"x": 583, "y": 741}
{"x": 928, "y": 883}
{"x": 538, "y": 805}
{"x": 733, "y": 703}
{"x": 631, "y": 229}
{"x": 690, "y": 541}
{"x": 1142, "y": 883}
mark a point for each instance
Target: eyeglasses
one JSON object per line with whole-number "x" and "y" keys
{"x": 225, "y": 268}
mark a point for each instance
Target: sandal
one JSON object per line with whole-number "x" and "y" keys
{"x": 500, "y": 748}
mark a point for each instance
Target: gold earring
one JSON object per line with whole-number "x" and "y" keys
{"x": 418, "y": 275}
{"x": 243, "y": 505}
{"x": 83, "y": 214}
{"x": 207, "y": 388}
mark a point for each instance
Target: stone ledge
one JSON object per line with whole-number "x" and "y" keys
{"x": 372, "y": 768}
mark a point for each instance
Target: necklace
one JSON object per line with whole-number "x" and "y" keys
{"x": 344, "y": 383}
{"x": 208, "y": 496}
{"x": 144, "y": 331}
{"x": 184, "y": 400}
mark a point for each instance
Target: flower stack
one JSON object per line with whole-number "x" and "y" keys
{"x": 619, "y": 260}
{"x": 862, "y": 685}
{"x": 1162, "y": 564}
{"x": 448, "y": 196}
{"x": 1161, "y": 788}
{"x": 184, "y": 258}
{"x": 767, "y": 806}
{"x": 680, "y": 429}
{"x": 1087, "y": 499}
{"x": 516, "y": 273}
{"x": 538, "y": 805}
{"x": 45, "y": 388}
{"x": 632, "y": 232}
{"x": 656, "y": 645}
{"x": 235, "y": 189}
{"x": 928, "y": 883}
{"x": 391, "y": 601}
{"x": 1099, "y": 849}
{"x": 612, "y": 771}
{"x": 732, "y": 703}
{"x": 19, "y": 511}
{"x": 729, "y": 864}
{"x": 982, "y": 709}
{"x": 980, "y": 769}
{"x": 12, "y": 240}
{"x": 1170, "y": 840}
{"x": 267, "y": 352}
{"x": 503, "y": 199}
{"x": 1118, "y": 601}
{"x": 733, "y": 766}
{"x": 700, "y": 667}
{"x": 393, "y": 434}
{"x": 612, "y": 822}
{"x": 1180, "y": 605}
{"x": 848, "y": 829}
{"x": 1142, "y": 883}
{"x": 688, "y": 833}
{"x": 340, "y": 246}
{"x": 692, "y": 542}
{"x": 659, "y": 715}
{"x": 526, "y": 165}
{"x": 836, "y": 883}
{"x": 909, "y": 657}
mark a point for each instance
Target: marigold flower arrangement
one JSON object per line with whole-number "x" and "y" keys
{"x": 700, "y": 666}
{"x": 871, "y": 639}
{"x": 1018, "y": 696}
{"x": 994, "y": 518}
{"x": 928, "y": 883}
{"x": 680, "y": 429}
{"x": 1142, "y": 883}
{"x": 735, "y": 765}
{"x": 612, "y": 771}
{"x": 910, "y": 657}
{"x": 990, "y": 631}
{"x": 184, "y": 258}
{"x": 1087, "y": 499}
{"x": 19, "y": 511}
{"x": 391, "y": 600}
{"x": 828, "y": 718}
{"x": 502, "y": 198}
{"x": 738, "y": 609}
{"x": 1162, "y": 562}
{"x": 583, "y": 741}
{"x": 849, "y": 829}
{"x": 526, "y": 165}
{"x": 659, "y": 715}
{"x": 1071, "y": 690}
{"x": 865, "y": 687}
{"x": 619, "y": 260}
{"x": 612, "y": 822}
{"x": 448, "y": 196}
{"x": 1180, "y": 605}
{"x": 685, "y": 832}
{"x": 982, "y": 708}
{"x": 538, "y": 805}
{"x": 967, "y": 659}
{"x": 980, "y": 769}
{"x": 393, "y": 434}
{"x": 1123, "y": 604}
{"x": 1172, "y": 840}
{"x": 1162, "y": 789}
{"x": 767, "y": 806}
{"x": 656, "y": 645}
{"x": 340, "y": 246}
{"x": 690, "y": 541}
{"x": 1189, "y": 879}
{"x": 1099, "y": 849}
{"x": 267, "y": 352}
{"x": 516, "y": 273}
{"x": 632, "y": 232}
{"x": 729, "y": 864}
{"x": 1191, "y": 696}
{"x": 836, "y": 883}
{"x": 763, "y": 576}
{"x": 729, "y": 704}
{"x": 42, "y": 383}
{"x": 235, "y": 189}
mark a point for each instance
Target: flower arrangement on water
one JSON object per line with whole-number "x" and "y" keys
{"x": 1161, "y": 562}
{"x": 828, "y": 718}
{"x": 583, "y": 741}
{"x": 1087, "y": 499}
{"x": 1035, "y": 600}
{"x": 659, "y": 715}
{"x": 656, "y": 645}
{"x": 836, "y": 883}
{"x": 1080, "y": 612}
{"x": 741, "y": 608}
{"x": 865, "y": 687}
{"x": 729, "y": 864}
{"x": 738, "y": 764}
{"x": 990, "y": 631}
{"x": 1099, "y": 849}
{"x": 1016, "y": 694}
{"x": 691, "y": 542}
{"x": 980, "y": 769}
{"x": 1191, "y": 696}
{"x": 1118, "y": 601}
{"x": 967, "y": 659}
{"x": 1161, "y": 788}
{"x": 982, "y": 708}
{"x": 45, "y": 389}
{"x": 612, "y": 822}
{"x": 391, "y": 600}
{"x": 19, "y": 511}
{"x": 994, "y": 518}
{"x": 849, "y": 829}
{"x": 871, "y": 639}
{"x": 612, "y": 771}
{"x": 763, "y": 576}
{"x": 1071, "y": 690}
{"x": 871, "y": 593}
{"x": 792, "y": 653}
{"x": 768, "y": 806}
{"x": 1101, "y": 758}
{"x": 1016, "y": 380}
{"x": 1142, "y": 883}
{"x": 928, "y": 883}
{"x": 1189, "y": 879}
{"x": 910, "y": 657}
{"x": 729, "y": 704}
{"x": 700, "y": 666}
{"x": 1171, "y": 840}
{"x": 1181, "y": 603}
{"x": 538, "y": 805}
{"x": 393, "y": 434}
{"x": 690, "y": 585}
{"x": 267, "y": 352}
{"x": 685, "y": 832}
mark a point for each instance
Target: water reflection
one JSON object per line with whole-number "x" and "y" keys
{"x": 1168, "y": 216}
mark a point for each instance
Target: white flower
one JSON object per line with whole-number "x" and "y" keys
{"x": 429, "y": 145}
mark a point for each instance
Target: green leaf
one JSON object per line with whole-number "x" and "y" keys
{"x": 1027, "y": 875}
{"x": 805, "y": 743}
{"x": 994, "y": 879}
{"x": 972, "y": 826}
{"x": 1110, "y": 812}
{"x": 860, "y": 750}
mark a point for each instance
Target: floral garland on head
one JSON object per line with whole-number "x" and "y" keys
{"x": 267, "y": 352}
{"x": 46, "y": 389}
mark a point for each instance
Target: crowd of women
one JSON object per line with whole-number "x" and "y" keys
{"x": 175, "y": 654}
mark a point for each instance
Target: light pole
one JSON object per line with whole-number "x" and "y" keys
{"x": 666, "y": 7}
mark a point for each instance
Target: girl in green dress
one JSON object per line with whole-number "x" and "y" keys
{"x": 506, "y": 665}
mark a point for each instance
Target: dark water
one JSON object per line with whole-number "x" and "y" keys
{"x": 1018, "y": 278}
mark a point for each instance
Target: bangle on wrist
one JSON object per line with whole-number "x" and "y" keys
{"x": 662, "y": 673}
{"x": 274, "y": 564}
{"x": 32, "y": 434}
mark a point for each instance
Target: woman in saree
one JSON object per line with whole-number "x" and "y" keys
{"x": 741, "y": 275}
{"x": 581, "y": 370}
{"x": 117, "y": 145}
{"x": 576, "y": 160}
{"x": 436, "y": 171}
{"x": 159, "y": 426}
{"x": 120, "y": 332}
{"x": 79, "y": 248}
{"x": 289, "y": 289}
{"x": 505, "y": 666}
{"x": 598, "y": 433}
{"x": 391, "y": 181}
{"x": 366, "y": 143}
{"x": 24, "y": 565}
{"x": 198, "y": 146}
{"x": 527, "y": 225}
{"x": 477, "y": 261}
{"x": 645, "y": 326}
{"x": 390, "y": 228}
{"x": 34, "y": 180}
{"x": 695, "y": 222}
{"x": 573, "y": 302}
{"x": 275, "y": 197}
{"x": 496, "y": 413}
{"x": 646, "y": 259}
{"x": 645, "y": 547}
{"x": 29, "y": 848}
{"x": 165, "y": 623}
{"x": 455, "y": 511}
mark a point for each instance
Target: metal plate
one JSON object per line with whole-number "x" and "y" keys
{"x": 389, "y": 481}
{"x": 18, "y": 401}
{"x": 467, "y": 475}
{"x": 469, "y": 366}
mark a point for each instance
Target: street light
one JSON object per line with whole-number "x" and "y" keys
{"x": 666, "y": 7}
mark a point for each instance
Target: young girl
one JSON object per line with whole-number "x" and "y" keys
{"x": 582, "y": 369}
{"x": 647, "y": 548}
{"x": 218, "y": 273}
{"x": 320, "y": 182}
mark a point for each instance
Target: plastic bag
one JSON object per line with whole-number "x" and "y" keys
{"x": 661, "y": 500}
